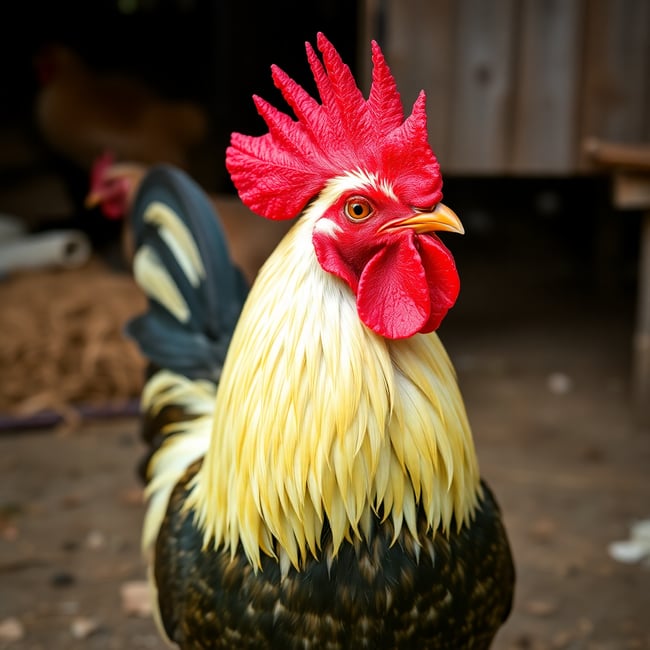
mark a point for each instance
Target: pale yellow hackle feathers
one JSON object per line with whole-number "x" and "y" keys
{"x": 316, "y": 416}
{"x": 185, "y": 440}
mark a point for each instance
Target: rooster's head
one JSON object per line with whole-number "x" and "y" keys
{"x": 373, "y": 178}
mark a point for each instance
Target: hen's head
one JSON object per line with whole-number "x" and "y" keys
{"x": 377, "y": 180}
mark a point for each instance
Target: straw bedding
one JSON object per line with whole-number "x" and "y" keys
{"x": 62, "y": 342}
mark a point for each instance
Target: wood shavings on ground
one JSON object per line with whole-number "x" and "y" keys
{"x": 63, "y": 343}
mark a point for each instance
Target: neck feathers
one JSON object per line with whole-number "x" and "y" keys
{"x": 318, "y": 417}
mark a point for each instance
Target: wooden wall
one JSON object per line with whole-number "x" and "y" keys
{"x": 515, "y": 86}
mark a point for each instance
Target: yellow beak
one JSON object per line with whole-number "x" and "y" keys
{"x": 91, "y": 200}
{"x": 441, "y": 218}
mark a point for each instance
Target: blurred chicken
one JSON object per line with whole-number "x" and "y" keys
{"x": 114, "y": 184}
{"x": 81, "y": 112}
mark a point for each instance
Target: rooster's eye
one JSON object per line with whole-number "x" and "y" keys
{"x": 357, "y": 208}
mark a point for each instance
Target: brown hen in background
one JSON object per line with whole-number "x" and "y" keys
{"x": 81, "y": 111}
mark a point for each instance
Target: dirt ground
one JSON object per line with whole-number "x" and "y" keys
{"x": 543, "y": 353}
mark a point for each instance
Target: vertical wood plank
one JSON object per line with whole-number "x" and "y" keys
{"x": 370, "y": 20}
{"x": 419, "y": 37}
{"x": 547, "y": 100}
{"x": 616, "y": 88}
{"x": 514, "y": 86}
{"x": 482, "y": 86}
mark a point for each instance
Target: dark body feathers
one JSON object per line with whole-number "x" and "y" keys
{"x": 374, "y": 595}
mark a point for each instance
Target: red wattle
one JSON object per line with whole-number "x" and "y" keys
{"x": 393, "y": 298}
{"x": 406, "y": 286}
{"x": 443, "y": 280}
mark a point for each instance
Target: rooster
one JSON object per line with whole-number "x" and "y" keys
{"x": 312, "y": 480}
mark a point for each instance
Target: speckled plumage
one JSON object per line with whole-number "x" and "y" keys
{"x": 454, "y": 596}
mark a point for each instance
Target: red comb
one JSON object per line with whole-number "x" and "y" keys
{"x": 276, "y": 174}
{"x": 100, "y": 166}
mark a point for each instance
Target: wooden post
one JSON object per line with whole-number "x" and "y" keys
{"x": 630, "y": 167}
{"x": 642, "y": 333}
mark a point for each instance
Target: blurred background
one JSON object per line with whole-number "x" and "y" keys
{"x": 516, "y": 89}
{"x": 117, "y": 62}
{"x": 539, "y": 112}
